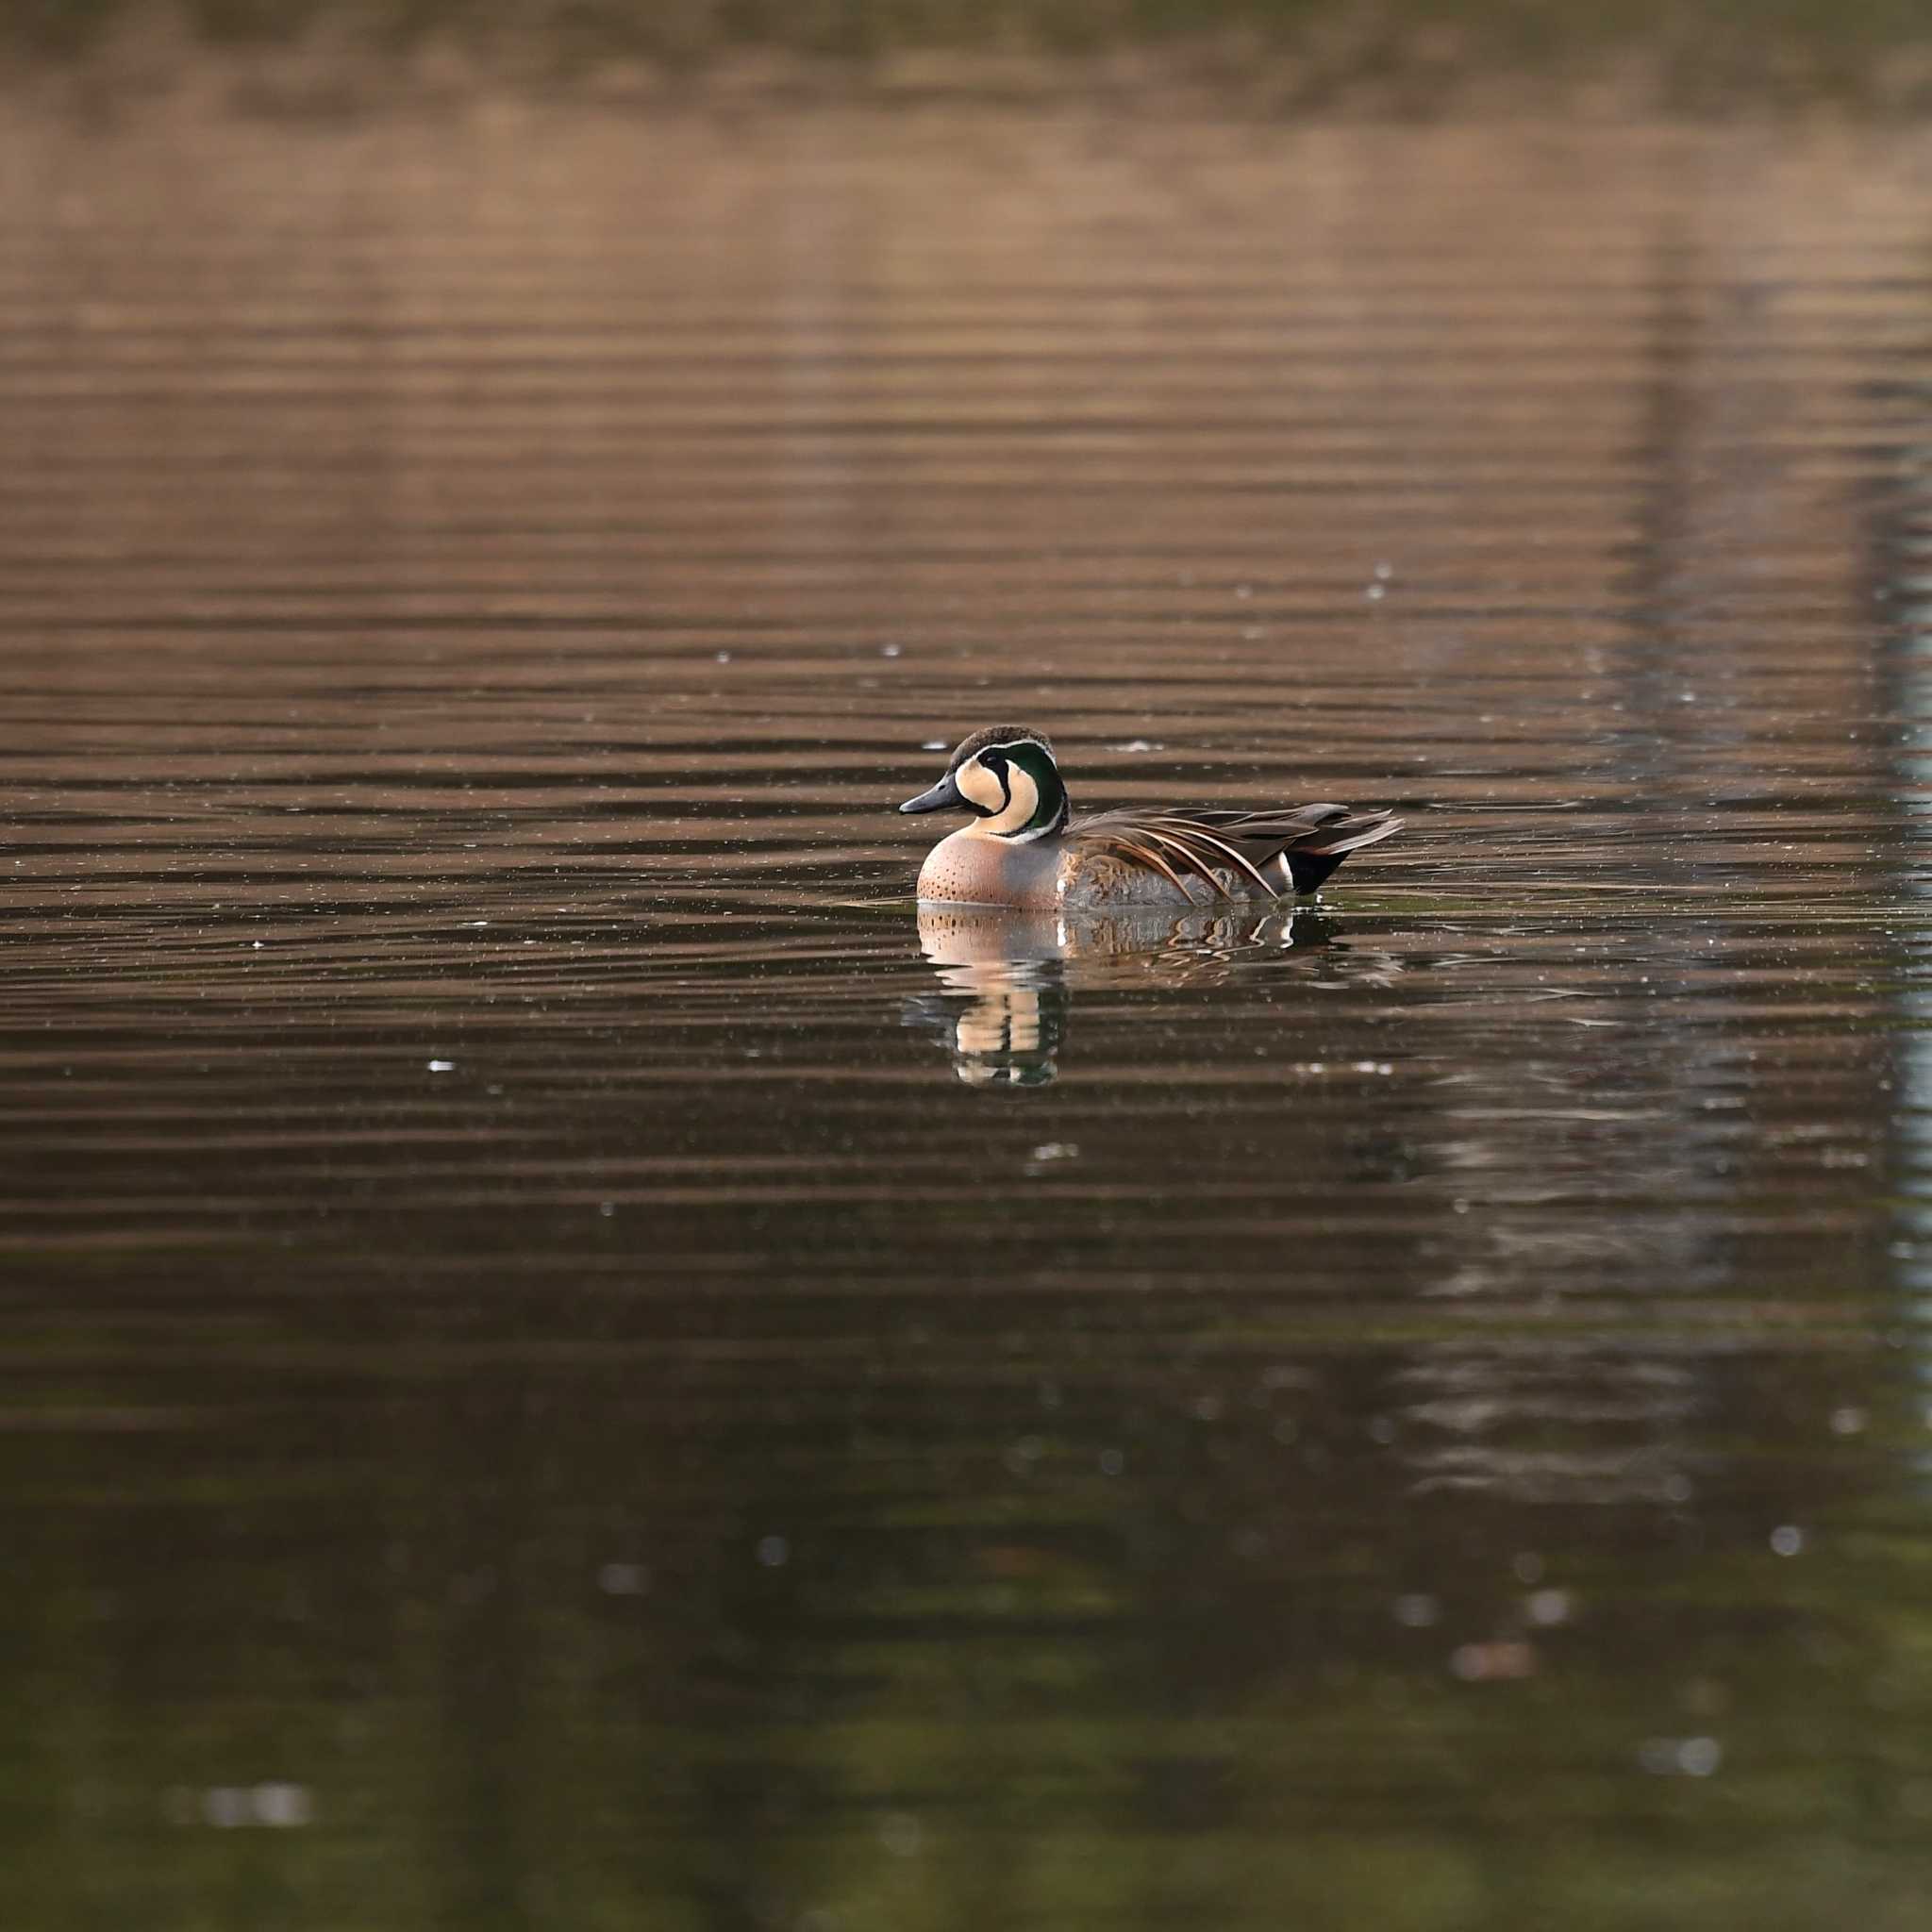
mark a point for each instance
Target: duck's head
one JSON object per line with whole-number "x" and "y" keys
{"x": 1006, "y": 778}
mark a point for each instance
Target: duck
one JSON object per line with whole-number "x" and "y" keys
{"x": 1023, "y": 849}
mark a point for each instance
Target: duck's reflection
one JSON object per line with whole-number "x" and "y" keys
{"x": 1009, "y": 977}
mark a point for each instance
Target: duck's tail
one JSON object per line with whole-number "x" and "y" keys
{"x": 1312, "y": 858}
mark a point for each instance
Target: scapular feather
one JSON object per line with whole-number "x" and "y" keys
{"x": 1213, "y": 841}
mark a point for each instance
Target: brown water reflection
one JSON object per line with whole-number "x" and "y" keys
{"x": 1009, "y": 976}
{"x": 534, "y": 1394}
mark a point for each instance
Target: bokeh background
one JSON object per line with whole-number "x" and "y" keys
{"x": 1414, "y": 56}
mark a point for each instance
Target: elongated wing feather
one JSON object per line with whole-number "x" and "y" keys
{"x": 1207, "y": 848}
{"x": 1215, "y": 843}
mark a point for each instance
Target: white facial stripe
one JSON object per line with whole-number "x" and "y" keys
{"x": 979, "y": 785}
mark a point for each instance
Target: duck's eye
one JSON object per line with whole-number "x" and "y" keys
{"x": 994, "y": 762}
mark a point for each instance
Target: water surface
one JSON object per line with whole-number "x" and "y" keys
{"x": 570, "y": 1363}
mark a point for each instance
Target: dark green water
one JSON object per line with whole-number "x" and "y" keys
{"x": 565, "y": 1367}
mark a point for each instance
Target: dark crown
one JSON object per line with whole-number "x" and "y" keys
{"x": 999, "y": 734}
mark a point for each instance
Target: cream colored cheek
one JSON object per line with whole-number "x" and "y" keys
{"x": 1025, "y": 801}
{"x": 977, "y": 783}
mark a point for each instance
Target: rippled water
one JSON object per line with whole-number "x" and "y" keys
{"x": 571, "y": 1360}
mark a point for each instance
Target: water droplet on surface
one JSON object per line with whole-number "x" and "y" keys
{"x": 277, "y": 1805}
{"x": 1680, "y": 1756}
{"x": 1501, "y": 1660}
{"x": 283, "y": 1805}
{"x": 224, "y": 1806}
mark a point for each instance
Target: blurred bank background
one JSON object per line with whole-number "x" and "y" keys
{"x": 1415, "y": 57}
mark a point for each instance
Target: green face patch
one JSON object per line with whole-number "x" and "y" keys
{"x": 1036, "y": 762}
